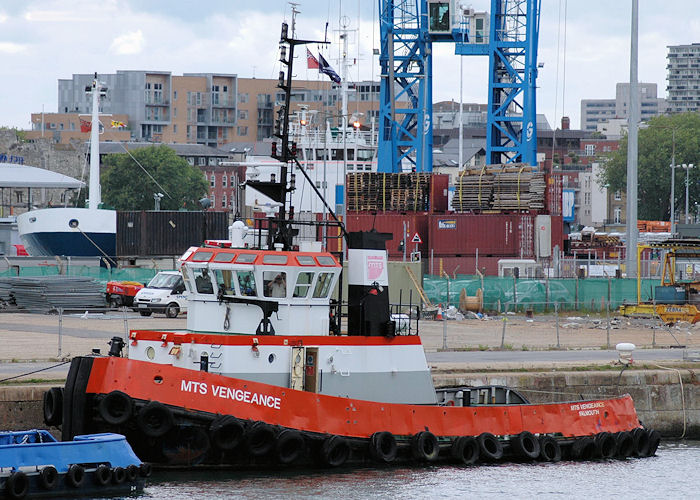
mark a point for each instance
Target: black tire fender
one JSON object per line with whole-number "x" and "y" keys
{"x": 155, "y": 419}
{"x": 260, "y": 438}
{"x": 289, "y": 446}
{"x": 641, "y": 442}
{"x": 605, "y": 444}
{"x": 654, "y": 440}
{"x": 550, "y": 449}
{"x": 335, "y": 451}
{"x": 382, "y": 447}
{"x": 490, "y": 448}
{"x": 17, "y": 485}
{"x": 53, "y": 406}
{"x": 526, "y": 446}
{"x": 145, "y": 469}
{"x": 465, "y": 449}
{"x": 226, "y": 432}
{"x": 118, "y": 475}
{"x": 75, "y": 475}
{"x": 132, "y": 473}
{"x": 424, "y": 446}
{"x": 48, "y": 477}
{"x": 583, "y": 448}
{"x": 625, "y": 444}
{"x": 103, "y": 475}
{"x": 116, "y": 408}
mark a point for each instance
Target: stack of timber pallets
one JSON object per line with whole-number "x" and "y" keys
{"x": 499, "y": 188}
{"x": 388, "y": 191}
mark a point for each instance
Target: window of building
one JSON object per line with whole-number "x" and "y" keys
{"x": 201, "y": 161}
{"x": 243, "y": 98}
{"x": 242, "y": 114}
{"x": 174, "y": 129}
{"x": 242, "y": 131}
{"x": 212, "y": 198}
{"x": 212, "y": 180}
{"x": 174, "y": 112}
{"x": 213, "y": 161}
{"x": 174, "y": 95}
{"x": 590, "y": 149}
{"x": 190, "y": 160}
{"x": 618, "y": 195}
{"x": 223, "y": 180}
{"x": 223, "y": 201}
{"x": 618, "y": 215}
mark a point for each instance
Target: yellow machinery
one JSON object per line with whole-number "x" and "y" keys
{"x": 683, "y": 299}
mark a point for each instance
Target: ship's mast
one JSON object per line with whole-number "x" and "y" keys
{"x": 95, "y": 196}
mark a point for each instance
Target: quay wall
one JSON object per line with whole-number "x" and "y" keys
{"x": 657, "y": 394}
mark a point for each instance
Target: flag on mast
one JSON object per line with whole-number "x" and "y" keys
{"x": 326, "y": 69}
{"x": 311, "y": 61}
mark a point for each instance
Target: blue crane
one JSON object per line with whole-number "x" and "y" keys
{"x": 508, "y": 36}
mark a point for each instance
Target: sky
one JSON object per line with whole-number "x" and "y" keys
{"x": 583, "y": 44}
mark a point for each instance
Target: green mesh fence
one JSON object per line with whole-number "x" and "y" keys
{"x": 101, "y": 274}
{"x": 509, "y": 294}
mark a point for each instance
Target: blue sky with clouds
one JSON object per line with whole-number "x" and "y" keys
{"x": 44, "y": 40}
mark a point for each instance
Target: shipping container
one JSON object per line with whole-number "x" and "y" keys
{"x": 166, "y": 232}
{"x": 439, "y": 187}
{"x": 555, "y": 185}
{"x": 391, "y": 222}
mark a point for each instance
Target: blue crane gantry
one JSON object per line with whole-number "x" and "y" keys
{"x": 408, "y": 28}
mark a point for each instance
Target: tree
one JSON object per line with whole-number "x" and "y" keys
{"x": 656, "y": 145}
{"x": 125, "y": 186}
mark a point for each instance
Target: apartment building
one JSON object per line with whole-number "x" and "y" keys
{"x": 595, "y": 112}
{"x": 683, "y": 78}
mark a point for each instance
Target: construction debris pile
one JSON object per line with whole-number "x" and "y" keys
{"x": 499, "y": 187}
{"x": 42, "y": 294}
{"x": 388, "y": 191}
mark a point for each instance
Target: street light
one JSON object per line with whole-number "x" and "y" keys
{"x": 687, "y": 172}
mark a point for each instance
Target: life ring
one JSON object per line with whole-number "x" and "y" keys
{"x": 383, "y": 447}
{"x": 465, "y": 449}
{"x": 424, "y": 446}
{"x": 550, "y": 450}
{"x": 490, "y": 448}
{"x": 115, "y": 408}
{"x": 17, "y": 485}
{"x": 641, "y": 442}
{"x": 260, "y": 438}
{"x": 145, "y": 469}
{"x": 335, "y": 451}
{"x": 48, "y": 477}
{"x": 226, "y": 432}
{"x": 289, "y": 446}
{"x": 605, "y": 445}
{"x": 132, "y": 473}
{"x": 654, "y": 440}
{"x": 155, "y": 419}
{"x": 75, "y": 475}
{"x": 583, "y": 448}
{"x": 526, "y": 446}
{"x": 118, "y": 475}
{"x": 625, "y": 444}
{"x": 53, "y": 406}
{"x": 103, "y": 475}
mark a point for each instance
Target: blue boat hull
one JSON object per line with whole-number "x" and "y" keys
{"x": 71, "y": 244}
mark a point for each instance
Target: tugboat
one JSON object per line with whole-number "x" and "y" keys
{"x": 270, "y": 373}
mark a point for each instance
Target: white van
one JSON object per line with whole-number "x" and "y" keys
{"x": 165, "y": 293}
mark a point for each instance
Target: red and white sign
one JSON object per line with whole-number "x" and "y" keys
{"x": 416, "y": 239}
{"x": 375, "y": 266}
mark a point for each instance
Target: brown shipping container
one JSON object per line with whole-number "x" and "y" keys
{"x": 439, "y": 184}
{"x": 457, "y": 235}
{"x": 166, "y": 232}
{"x": 392, "y": 222}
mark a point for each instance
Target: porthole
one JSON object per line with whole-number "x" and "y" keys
{"x": 158, "y": 379}
{"x": 73, "y": 223}
{"x": 150, "y": 352}
{"x": 271, "y": 358}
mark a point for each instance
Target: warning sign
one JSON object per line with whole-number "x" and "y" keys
{"x": 416, "y": 239}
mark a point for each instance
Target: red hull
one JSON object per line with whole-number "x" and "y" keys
{"x": 216, "y": 394}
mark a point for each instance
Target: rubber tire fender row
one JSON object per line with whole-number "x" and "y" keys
{"x": 583, "y": 448}
{"x": 335, "y": 451}
{"x": 48, "y": 477}
{"x": 424, "y": 446}
{"x": 145, "y": 469}
{"x": 260, "y": 438}
{"x": 490, "y": 448}
{"x": 605, "y": 444}
{"x": 103, "y": 475}
{"x": 465, "y": 450}
{"x": 226, "y": 432}
{"x": 155, "y": 419}
{"x": 641, "y": 442}
{"x": 118, "y": 475}
{"x": 132, "y": 473}
{"x": 290, "y": 446}
{"x": 382, "y": 447}
{"x": 53, "y": 406}
{"x": 625, "y": 444}
{"x": 116, "y": 408}
{"x": 75, "y": 475}
{"x": 526, "y": 446}
{"x": 17, "y": 485}
{"x": 654, "y": 440}
{"x": 550, "y": 449}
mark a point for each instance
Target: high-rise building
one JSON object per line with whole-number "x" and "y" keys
{"x": 683, "y": 78}
{"x": 600, "y": 111}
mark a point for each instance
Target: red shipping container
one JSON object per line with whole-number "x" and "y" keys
{"x": 392, "y": 222}
{"x": 492, "y": 234}
{"x": 439, "y": 185}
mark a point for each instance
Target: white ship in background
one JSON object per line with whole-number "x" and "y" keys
{"x": 83, "y": 232}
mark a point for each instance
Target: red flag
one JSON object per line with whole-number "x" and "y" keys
{"x": 85, "y": 125}
{"x": 311, "y": 61}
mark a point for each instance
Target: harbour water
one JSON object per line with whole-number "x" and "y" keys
{"x": 671, "y": 474}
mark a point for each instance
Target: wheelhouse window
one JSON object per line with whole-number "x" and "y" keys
{"x": 224, "y": 281}
{"x": 275, "y": 284}
{"x": 323, "y": 285}
{"x": 246, "y": 283}
{"x": 303, "y": 284}
{"x": 202, "y": 281}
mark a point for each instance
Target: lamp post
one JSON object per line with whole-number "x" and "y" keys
{"x": 687, "y": 172}
{"x": 673, "y": 195}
